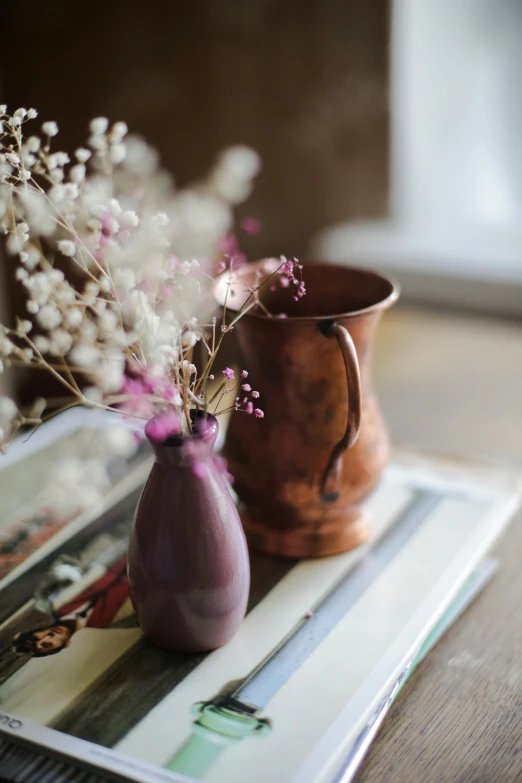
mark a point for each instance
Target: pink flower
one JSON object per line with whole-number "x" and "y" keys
{"x": 221, "y": 267}
{"x": 229, "y": 374}
{"x": 255, "y": 394}
{"x": 282, "y": 315}
{"x": 244, "y": 374}
{"x": 163, "y": 426}
{"x": 138, "y": 402}
{"x": 259, "y": 413}
{"x": 246, "y": 387}
{"x": 285, "y": 282}
{"x": 250, "y": 225}
{"x": 249, "y": 407}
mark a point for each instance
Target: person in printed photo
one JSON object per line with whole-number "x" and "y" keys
{"x": 102, "y": 604}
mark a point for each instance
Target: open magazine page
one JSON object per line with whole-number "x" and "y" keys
{"x": 56, "y": 479}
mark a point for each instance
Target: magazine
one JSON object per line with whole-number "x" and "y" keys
{"x": 322, "y": 642}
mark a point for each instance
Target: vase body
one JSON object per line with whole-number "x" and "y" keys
{"x": 189, "y": 571}
{"x": 279, "y": 462}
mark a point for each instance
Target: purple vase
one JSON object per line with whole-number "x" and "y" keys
{"x": 189, "y": 571}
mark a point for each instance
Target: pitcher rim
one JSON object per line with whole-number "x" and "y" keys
{"x": 383, "y": 304}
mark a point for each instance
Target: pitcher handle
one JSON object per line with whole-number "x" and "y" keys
{"x": 330, "y": 481}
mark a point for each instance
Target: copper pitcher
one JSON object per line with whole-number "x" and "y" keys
{"x": 302, "y": 472}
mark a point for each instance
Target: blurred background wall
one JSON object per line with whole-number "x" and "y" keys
{"x": 302, "y": 81}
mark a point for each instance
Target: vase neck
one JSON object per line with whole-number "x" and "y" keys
{"x": 184, "y": 451}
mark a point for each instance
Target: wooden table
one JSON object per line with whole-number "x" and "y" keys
{"x": 454, "y": 384}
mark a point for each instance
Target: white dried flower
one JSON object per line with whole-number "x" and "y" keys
{"x": 32, "y": 307}
{"x": 57, "y": 175}
{"x": 49, "y": 317}
{"x": 189, "y": 367}
{"x": 21, "y": 273}
{"x": 105, "y": 284}
{"x": 115, "y": 207}
{"x": 31, "y": 257}
{"x": 20, "y": 113}
{"x": 33, "y": 144}
{"x": 160, "y": 219}
{"x": 142, "y": 159}
{"x": 50, "y": 128}
{"x": 15, "y": 122}
{"x": 3, "y": 109}
{"x": 57, "y": 193}
{"x": 65, "y": 295}
{"x": 109, "y": 378}
{"x": 243, "y": 162}
{"x": 23, "y": 327}
{"x": 85, "y": 356}
{"x": 98, "y": 143}
{"x": 27, "y": 354}
{"x": 129, "y": 218}
{"x": 61, "y": 342}
{"x": 71, "y": 190}
{"x": 111, "y": 225}
{"x": 56, "y": 276}
{"x": 6, "y": 346}
{"x": 119, "y": 131}
{"x": 83, "y": 155}
{"x": 73, "y": 317}
{"x": 117, "y": 153}
{"x": 125, "y": 278}
{"x": 8, "y": 409}
{"x": 5, "y": 168}
{"x": 29, "y": 160}
{"x": 77, "y": 173}
{"x": 189, "y": 339}
{"x": 94, "y": 224}
{"x": 16, "y": 242}
{"x": 67, "y": 247}
{"x": 88, "y": 332}
{"x": 58, "y": 159}
{"x": 12, "y": 158}
{"x": 108, "y": 321}
{"x": 99, "y": 125}
{"x": 40, "y": 288}
{"x": 42, "y": 343}
{"x": 92, "y": 288}
{"x": 32, "y": 114}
